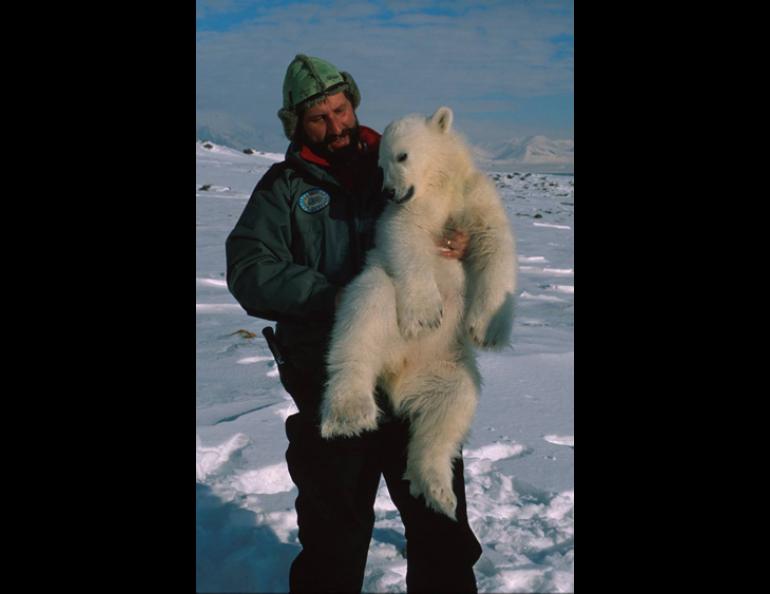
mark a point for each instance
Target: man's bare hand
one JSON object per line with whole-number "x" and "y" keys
{"x": 454, "y": 244}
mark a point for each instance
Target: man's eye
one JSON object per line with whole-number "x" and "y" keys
{"x": 401, "y": 158}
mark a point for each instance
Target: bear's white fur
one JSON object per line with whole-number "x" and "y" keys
{"x": 410, "y": 320}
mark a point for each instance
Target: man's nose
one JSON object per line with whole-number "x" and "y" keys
{"x": 335, "y": 125}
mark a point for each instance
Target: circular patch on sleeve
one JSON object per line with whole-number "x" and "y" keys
{"x": 314, "y": 200}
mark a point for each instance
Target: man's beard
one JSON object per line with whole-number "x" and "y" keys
{"x": 341, "y": 155}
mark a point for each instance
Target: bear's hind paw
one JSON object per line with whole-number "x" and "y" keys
{"x": 438, "y": 493}
{"x": 350, "y": 420}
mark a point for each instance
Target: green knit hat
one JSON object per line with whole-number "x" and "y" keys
{"x": 308, "y": 81}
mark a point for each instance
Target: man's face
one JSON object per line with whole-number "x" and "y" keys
{"x": 330, "y": 123}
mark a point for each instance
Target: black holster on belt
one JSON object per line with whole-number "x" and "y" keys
{"x": 272, "y": 344}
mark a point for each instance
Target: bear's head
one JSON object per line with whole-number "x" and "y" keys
{"x": 415, "y": 154}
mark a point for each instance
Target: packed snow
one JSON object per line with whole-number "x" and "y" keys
{"x": 519, "y": 458}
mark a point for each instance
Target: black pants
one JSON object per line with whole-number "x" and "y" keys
{"x": 338, "y": 480}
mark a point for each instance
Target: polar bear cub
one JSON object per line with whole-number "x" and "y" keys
{"x": 410, "y": 321}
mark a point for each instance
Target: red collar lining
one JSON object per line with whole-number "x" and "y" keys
{"x": 369, "y": 137}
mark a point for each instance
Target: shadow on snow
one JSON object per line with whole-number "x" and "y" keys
{"x": 233, "y": 553}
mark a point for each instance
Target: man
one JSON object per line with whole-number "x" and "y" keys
{"x": 301, "y": 238}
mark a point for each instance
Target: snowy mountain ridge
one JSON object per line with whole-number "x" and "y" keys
{"x": 533, "y": 153}
{"x": 537, "y": 150}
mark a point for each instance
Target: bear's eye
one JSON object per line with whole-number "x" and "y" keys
{"x": 401, "y": 158}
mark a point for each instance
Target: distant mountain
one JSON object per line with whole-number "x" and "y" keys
{"x": 222, "y": 128}
{"x": 537, "y": 150}
{"x": 534, "y": 153}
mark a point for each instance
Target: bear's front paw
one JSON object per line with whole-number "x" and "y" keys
{"x": 347, "y": 414}
{"x": 419, "y": 314}
{"x": 490, "y": 332}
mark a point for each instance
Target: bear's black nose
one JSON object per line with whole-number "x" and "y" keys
{"x": 389, "y": 193}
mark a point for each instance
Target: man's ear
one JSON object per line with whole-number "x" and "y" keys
{"x": 442, "y": 119}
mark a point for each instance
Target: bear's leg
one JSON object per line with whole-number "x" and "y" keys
{"x": 366, "y": 328}
{"x": 491, "y": 266}
{"x": 440, "y": 402}
{"x": 348, "y": 407}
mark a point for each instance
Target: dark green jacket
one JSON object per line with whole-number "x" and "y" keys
{"x": 285, "y": 263}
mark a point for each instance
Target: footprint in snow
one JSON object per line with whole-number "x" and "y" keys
{"x": 267, "y": 480}
{"x": 209, "y": 459}
{"x": 480, "y": 461}
{"x": 496, "y": 451}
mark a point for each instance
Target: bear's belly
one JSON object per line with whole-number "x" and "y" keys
{"x": 441, "y": 344}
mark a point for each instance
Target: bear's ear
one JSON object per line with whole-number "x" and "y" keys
{"x": 442, "y": 119}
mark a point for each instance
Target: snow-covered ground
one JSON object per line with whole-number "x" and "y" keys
{"x": 519, "y": 457}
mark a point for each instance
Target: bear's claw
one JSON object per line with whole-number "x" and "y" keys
{"x": 412, "y": 321}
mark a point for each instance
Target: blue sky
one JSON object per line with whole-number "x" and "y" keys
{"x": 504, "y": 66}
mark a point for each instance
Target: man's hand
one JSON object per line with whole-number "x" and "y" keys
{"x": 453, "y": 244}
